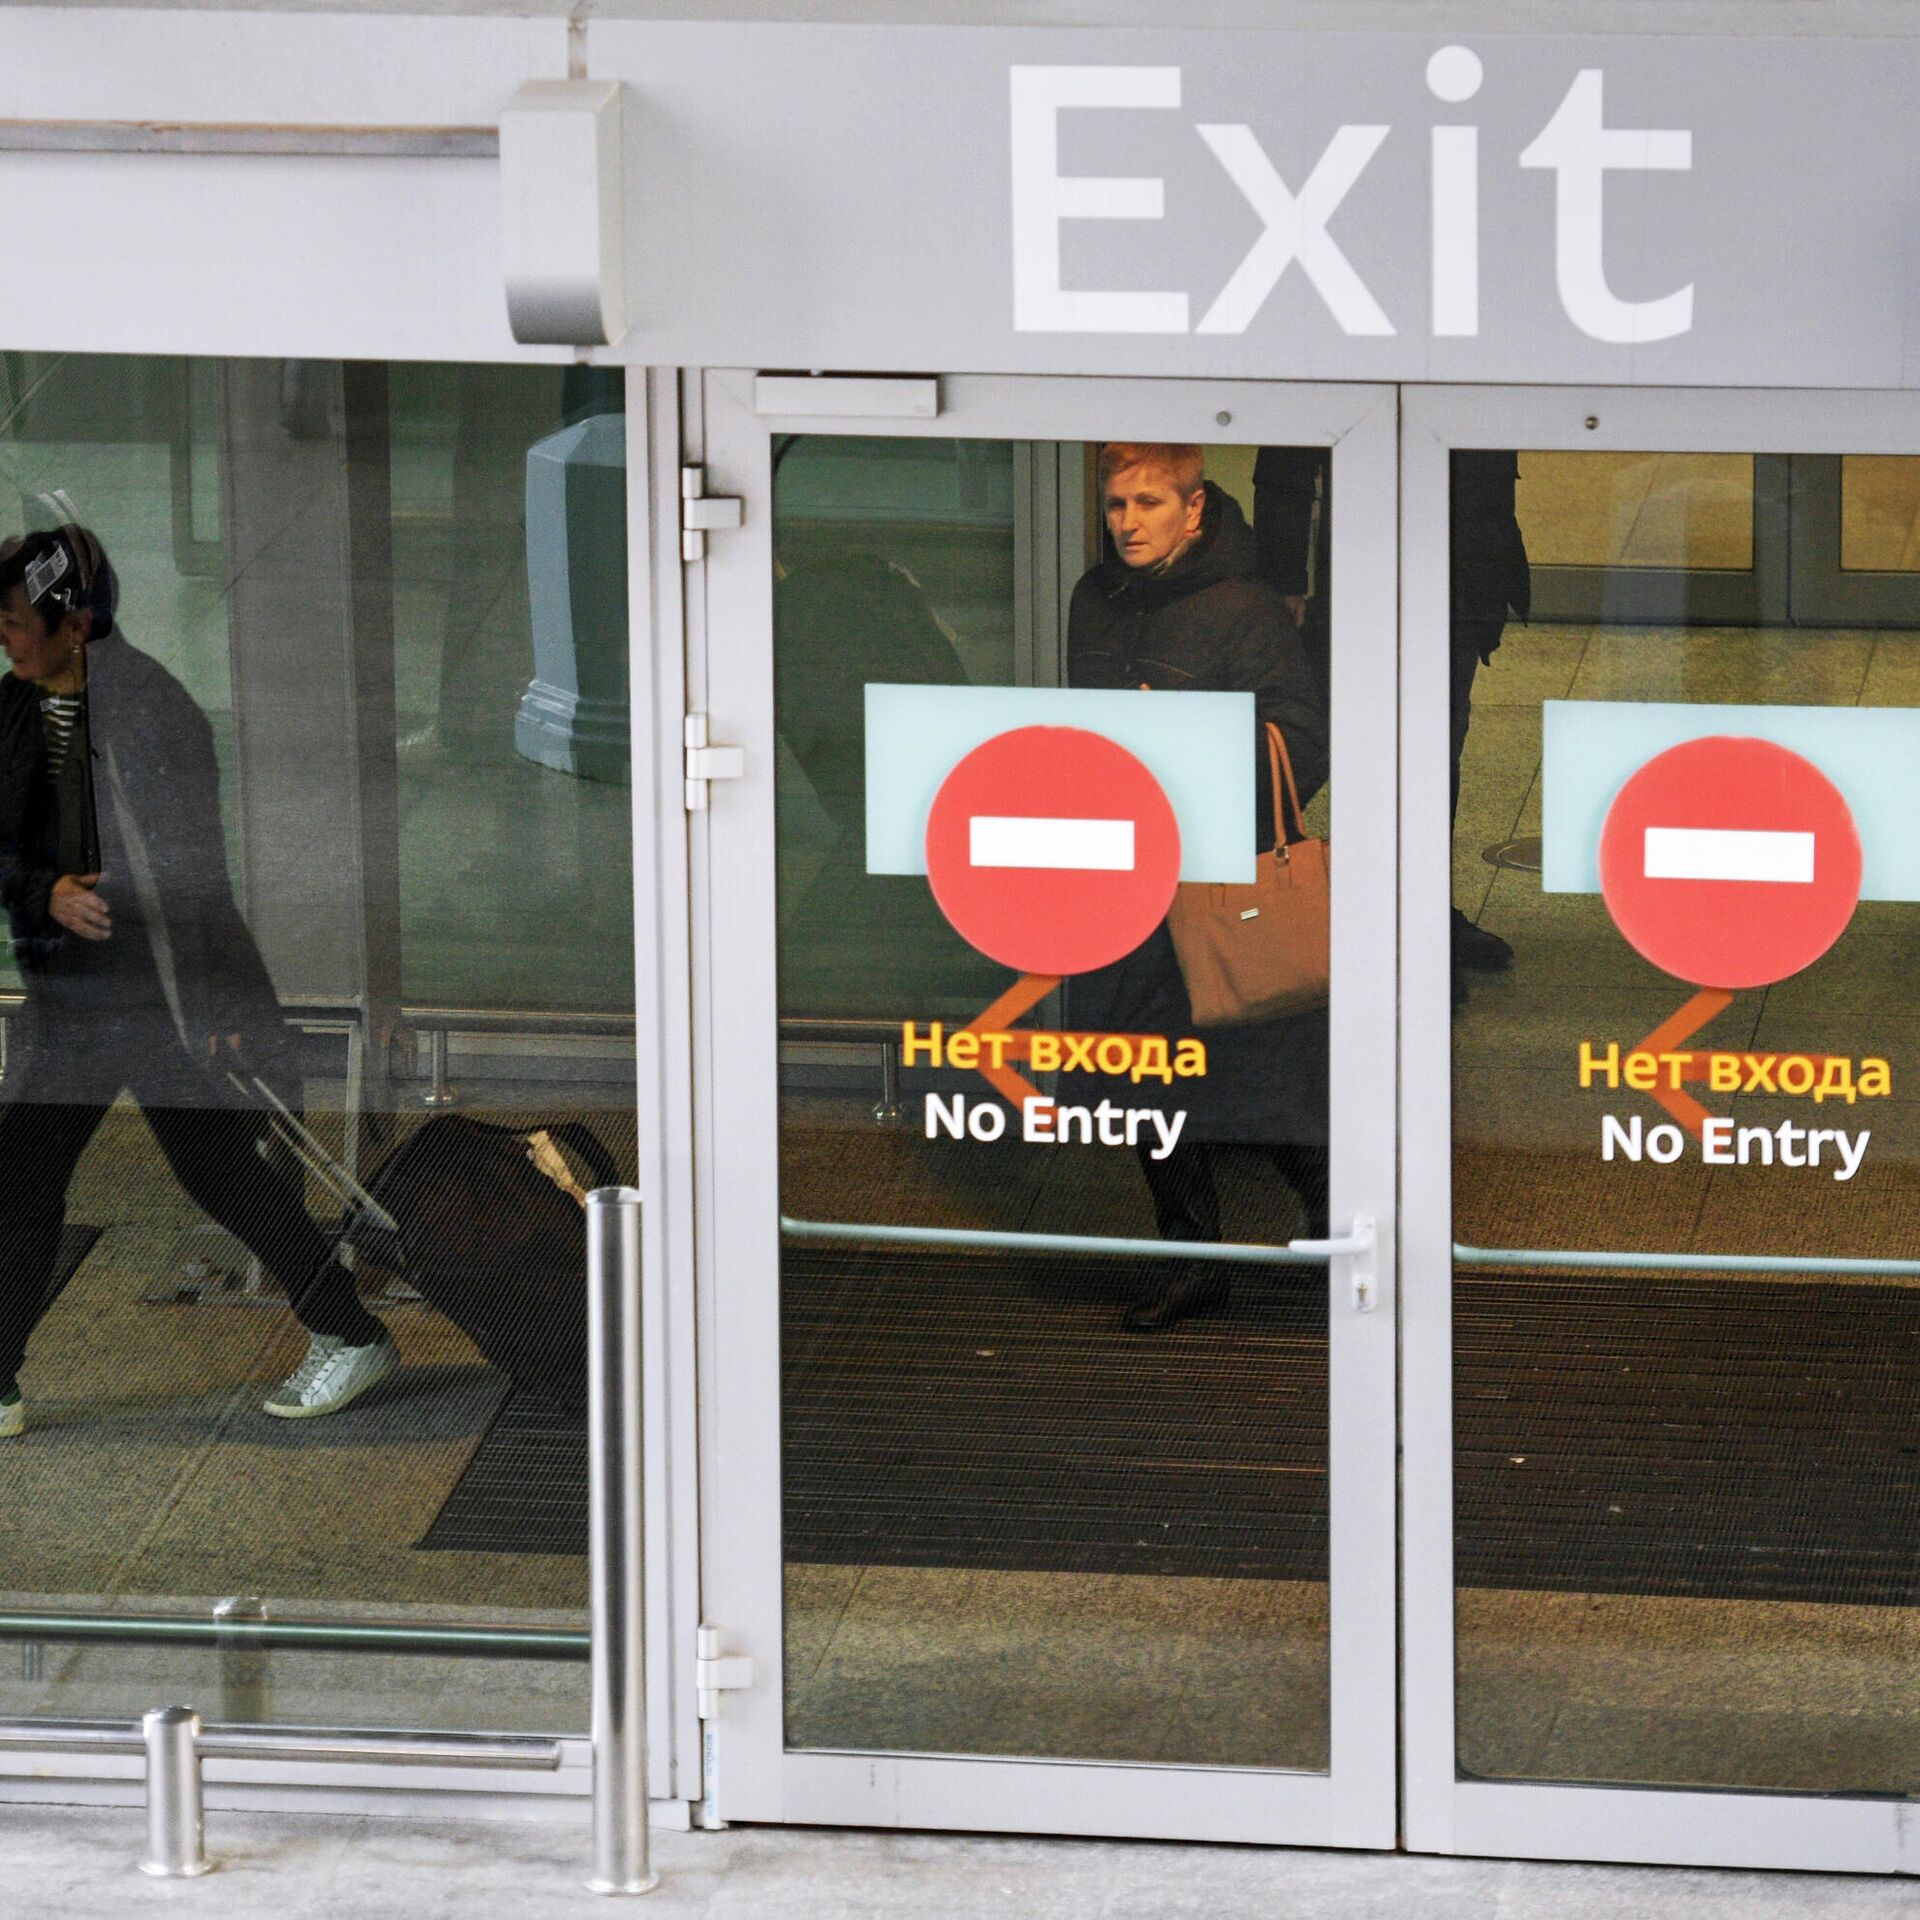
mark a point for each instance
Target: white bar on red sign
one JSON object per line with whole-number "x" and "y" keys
{"x": 1728, "y": 853}
{"x": 1015, "y": 840}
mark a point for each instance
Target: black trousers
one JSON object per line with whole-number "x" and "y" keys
{"x": 1472, "y": 639}
{"x": 1186, "y": 1197}
{"x": 210, "y": 1147}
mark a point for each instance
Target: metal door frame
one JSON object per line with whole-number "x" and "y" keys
{"x": 735, "y": 1006}
{"x": 663, "y": 1111}
{"x": 1446, "y": 1814}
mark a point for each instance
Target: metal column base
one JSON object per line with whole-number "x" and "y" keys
{"x": 176, "y": 1820}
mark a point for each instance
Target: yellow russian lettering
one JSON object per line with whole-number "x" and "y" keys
{"x": 1836, "y": 1080}
{"x": 1796, "y": 1074}
{"x": 1641, "y": 1071}
{"x": 912, "y": 1046}
{"x": 1190, "y": 1059}
{"x": 1045, "y": 1053}
{"x": 1759, "y": 1068}
{"x": 963, "y": 1050}
{"x": 1676, "y": 1065}
{"x": 1608, "y": 1064}
{"x": 1876, "y": 1079}
{"x": 1723, "y": 1072}
{"x": 996, "y": 1045}
{"x": 1151, "y": 1062}
{"x": 1079, "y": 1051}
{"x": 1114, "y": 1054}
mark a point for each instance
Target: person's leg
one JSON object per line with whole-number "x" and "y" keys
{"x": 213, "y": 1155}
{"x": 1464, "y": 664}
{"x": 40, "y": 1145}
{"x": 1473, "y": 946}
{"x": 1186, "y": 1206}
{"x": 1304, "y": 1168}
{"x": 1186, "y": 1202}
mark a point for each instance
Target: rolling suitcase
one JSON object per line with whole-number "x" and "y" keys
{"x": 488, "y": 1222}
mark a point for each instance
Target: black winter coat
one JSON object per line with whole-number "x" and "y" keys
{"x": 1209, "y": 624}
{"x": 181, "y": 956}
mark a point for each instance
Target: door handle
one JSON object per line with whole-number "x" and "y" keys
{"x": 1356, "y": 1246}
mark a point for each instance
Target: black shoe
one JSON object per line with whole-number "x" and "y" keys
{"x": 1475, "y": 947}
{"x": 1200, "y": 1290}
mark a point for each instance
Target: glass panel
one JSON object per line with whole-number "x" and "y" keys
{"x": 330, "y": 693}
{"x": 1685, "y": 1497}
{"x": 1685, "y": 510}
{"x": 1880, "y": 513}
{"x": 1043, "y": 1498}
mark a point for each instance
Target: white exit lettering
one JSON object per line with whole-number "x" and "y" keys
{"x": 1576, "y": 146}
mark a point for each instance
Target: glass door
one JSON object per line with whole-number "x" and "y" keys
{"x": 351, "y": 669}
{"x": 1662, "y": 1312}
{"x": 1047, "y": 1185}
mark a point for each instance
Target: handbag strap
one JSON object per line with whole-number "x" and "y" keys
{"x": 1280, "y": 762}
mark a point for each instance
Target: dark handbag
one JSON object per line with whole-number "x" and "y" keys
{"x": 1261, "y": 951}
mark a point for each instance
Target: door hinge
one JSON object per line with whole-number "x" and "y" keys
{"x": 715, "y": 1673}
{"x": 702, "y": 513}
{"x": 706, "y": 762}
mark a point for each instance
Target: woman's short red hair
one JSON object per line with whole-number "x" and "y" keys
{"x": 1186, "y": 467}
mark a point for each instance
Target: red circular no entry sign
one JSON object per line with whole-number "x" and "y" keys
{"x": 1052, "y": 850}
{"x": 1730, "y": 862}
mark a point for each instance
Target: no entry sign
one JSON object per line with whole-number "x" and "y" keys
{"x": 1730, "y": 862}
{"x": 1052, "y": 850}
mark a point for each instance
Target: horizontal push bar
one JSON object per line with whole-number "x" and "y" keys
{"x": 530, "y": 1751}
{"x": 1576, "y": 1261}
{"x": 314, "y": 1636}
{"x": 1061, "y": 1245}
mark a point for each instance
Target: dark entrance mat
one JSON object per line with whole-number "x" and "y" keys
{"x": 1724, "y": 1439}
{"x": 1728, "y": 1439}
{"x": 955, "y": 1410}
{"x": 525, "y": 1489}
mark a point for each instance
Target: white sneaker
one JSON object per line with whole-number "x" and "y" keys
{"x": 13, "y": 1417}
{"x": 332, "y": 1376}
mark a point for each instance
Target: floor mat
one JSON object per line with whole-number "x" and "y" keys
{"x": 525, "y": 1489}
{"x": 1717, "y": 1438}
{"x": 955, "y": 1410}
{"x": 1721, "y": 1439}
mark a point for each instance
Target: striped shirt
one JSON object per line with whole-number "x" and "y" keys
{"x": 60, "y": 713}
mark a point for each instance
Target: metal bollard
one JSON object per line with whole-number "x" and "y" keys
{"x": 886, "y": 1109}
{"x": 615, "y": 1543}
{"x": 175, "y": 1814}
{"x": 438, "y": 1093}
{"x": 244, "y": 1683}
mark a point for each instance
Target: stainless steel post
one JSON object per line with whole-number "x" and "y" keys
{"x": 887, "y": 1108}
{"x": 615, "y": 1543}
{"x": 175, "y": 1816}
{"x": 438, "y": 1093}
{"x": 243, "y": 1665}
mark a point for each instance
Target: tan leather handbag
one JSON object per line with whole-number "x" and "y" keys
{"x": 1259, "y": 952}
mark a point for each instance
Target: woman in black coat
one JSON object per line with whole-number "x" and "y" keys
{"x": 1178, "y": 604}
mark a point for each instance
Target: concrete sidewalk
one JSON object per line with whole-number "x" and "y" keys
{"x": 62, "y": 1863}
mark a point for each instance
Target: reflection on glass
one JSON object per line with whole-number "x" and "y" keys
{"x": 1685, "y": 1498}
{"x": 1622, "y": 510}
{"x": 1046, "y": 1502}
{"x": 1879, "y": 513}
{"x": 313, "y": 823}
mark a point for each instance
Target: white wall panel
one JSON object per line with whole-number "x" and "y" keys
{"x": 286, "y": 255}
{"x": 128, "y": 63}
